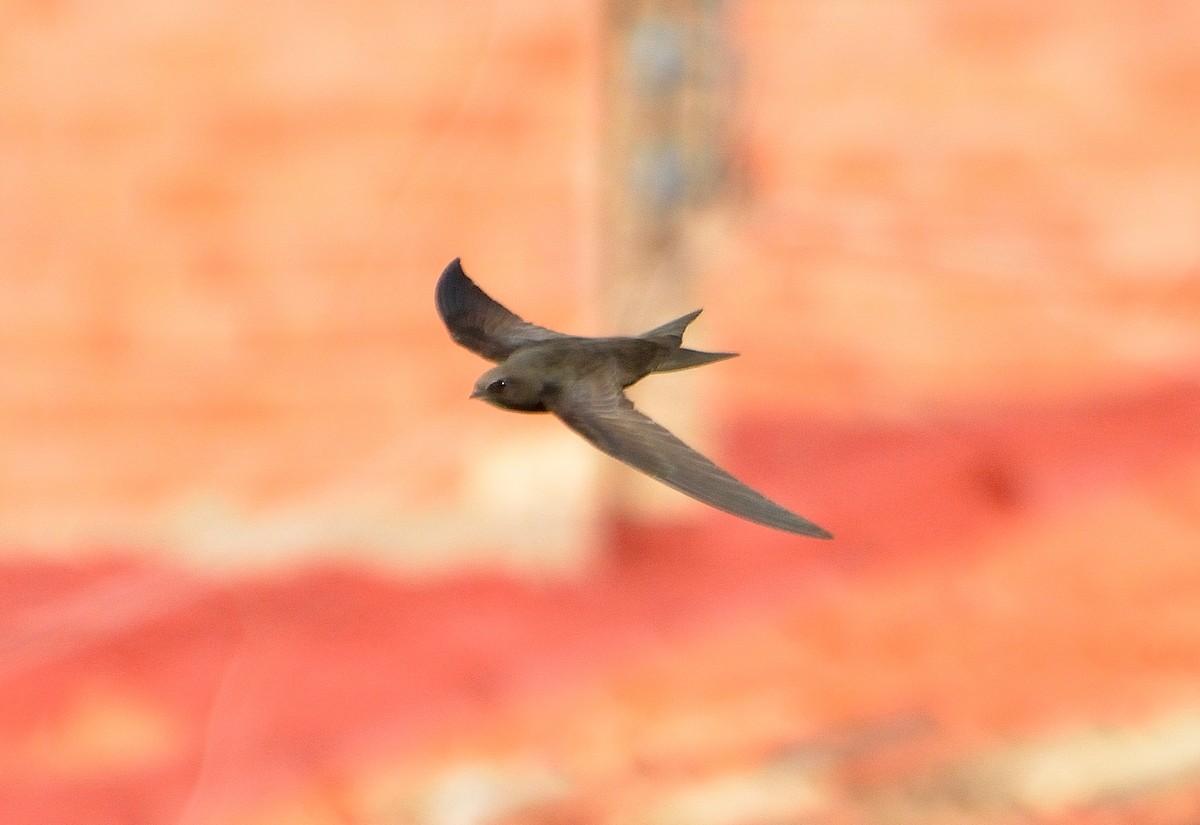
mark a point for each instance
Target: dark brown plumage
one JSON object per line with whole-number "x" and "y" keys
{"x": 581, "y": 380}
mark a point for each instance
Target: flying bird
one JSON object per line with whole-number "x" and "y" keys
{"x": 582, "y": 382}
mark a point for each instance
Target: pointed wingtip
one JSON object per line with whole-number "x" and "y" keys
{"x": 449, "y": 291}
{"x": 803, "y": 527}
{"x": 812, "y": 531}
{"x": 453, "y": 277}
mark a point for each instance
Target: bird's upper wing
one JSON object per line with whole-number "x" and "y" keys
{"x": 478, "y": 322}
{"x": 596, "y": 408}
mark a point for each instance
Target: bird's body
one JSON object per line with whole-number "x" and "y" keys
{"x": 628, "y": 360}
{"x": 581, "y": 381}
{"x": 549, "y": 366}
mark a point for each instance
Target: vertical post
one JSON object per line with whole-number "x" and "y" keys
{"x": 665, "y": 148}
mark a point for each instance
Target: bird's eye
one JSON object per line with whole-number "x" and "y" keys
{"x": 497, "y": 386}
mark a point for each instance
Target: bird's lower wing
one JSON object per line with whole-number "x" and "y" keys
{"x": 479, "y": 322}
{"x": 600, "y": 412}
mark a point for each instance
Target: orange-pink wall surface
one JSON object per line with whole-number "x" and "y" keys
{"x": 259, "y": 562}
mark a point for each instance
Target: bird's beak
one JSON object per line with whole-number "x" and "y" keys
{"x": 476, "y": 393}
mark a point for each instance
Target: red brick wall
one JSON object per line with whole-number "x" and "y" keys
{"x": 953, "y": 202}
{"x": 222, "y": 226}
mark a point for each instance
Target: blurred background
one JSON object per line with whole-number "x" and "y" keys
{"x": 262, "y": 562}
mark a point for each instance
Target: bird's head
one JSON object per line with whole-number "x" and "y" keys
{"x": 511, "y": 391}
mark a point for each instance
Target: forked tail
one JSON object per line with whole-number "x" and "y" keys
{"x": 670, "y": 334}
